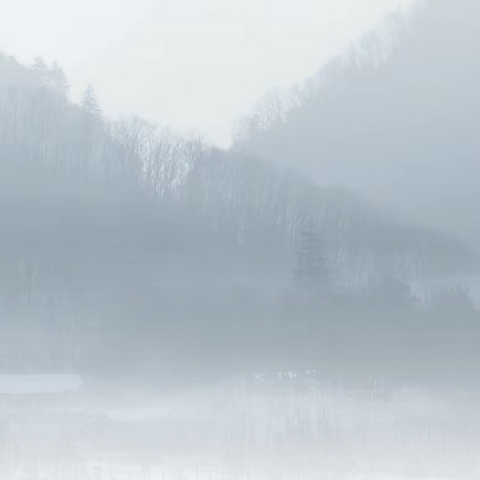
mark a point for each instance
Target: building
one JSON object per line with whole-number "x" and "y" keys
{"x": 43, "y": 406}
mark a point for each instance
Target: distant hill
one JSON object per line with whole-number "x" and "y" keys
{"x": 402, "y": 128}
{"x": 65, "y": 164}
{"x": 126, "y": 247}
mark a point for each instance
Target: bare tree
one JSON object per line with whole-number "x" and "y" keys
{"x": 164, "y": 157}
{"x": 62, "y": 460}
{"x": 240, "y": 452}
{"x": 145, "y": 463}
{"x": 179, "y": 470}
{"x": 314, "y": 449}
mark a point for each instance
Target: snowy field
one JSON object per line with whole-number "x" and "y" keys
{"x": 195, "y": 469}
{"x": 167, "y": 468}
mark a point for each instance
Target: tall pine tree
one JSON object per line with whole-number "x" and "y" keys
{"x": 41, "y": 69}
{"x": 57, "y": 79}
{"x": 90, "y": 103}
{"x": 311, "y": 265}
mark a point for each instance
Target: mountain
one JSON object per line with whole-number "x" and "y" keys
{"x": 400, "y": 127}
{"x": 125, "y": 245}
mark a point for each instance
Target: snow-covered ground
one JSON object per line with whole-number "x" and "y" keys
{"x": 186, "y": 467}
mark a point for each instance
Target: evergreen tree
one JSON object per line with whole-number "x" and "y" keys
{"x": 311, "y": 265}
{"x": 394, "y": 294}
{"x": 90, "y": 103}
{"x": 40, "y": 67}
{"x": 57, "y": 79}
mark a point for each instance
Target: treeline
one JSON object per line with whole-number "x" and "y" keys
{"x": 396, "y": 116}
{"x": 129, "y": 248}
{"x": 381, "y": 330}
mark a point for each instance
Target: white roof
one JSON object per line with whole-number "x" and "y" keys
{"x": 28, "y": 384}
{"x": 138, "y": 414}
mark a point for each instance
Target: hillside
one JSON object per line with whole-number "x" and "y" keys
{"x": 125, "y": 245}
{"x": 400, "y": 127}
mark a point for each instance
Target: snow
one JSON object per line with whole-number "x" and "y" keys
{"x": 48, "y": 409}
{"x": 37, "y": 384}
{"x": 138, "y": 414}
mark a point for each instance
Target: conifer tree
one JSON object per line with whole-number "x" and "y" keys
{"x": 40, "y": 67}
{"x": 311, "y": 265}
{"x": 90, "y": 103}
{"x": 57, "y": 79}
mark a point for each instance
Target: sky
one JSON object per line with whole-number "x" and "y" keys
{"x": 193, "y": 64}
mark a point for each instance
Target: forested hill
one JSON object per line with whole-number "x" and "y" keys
{"x": 121, "y": 230}
{"x": 397, "y": 117}
{"x": 57, "y": 155}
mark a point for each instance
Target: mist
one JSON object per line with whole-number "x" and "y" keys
{"x": 302, "y": 304}
{"x": 396, "y": 118}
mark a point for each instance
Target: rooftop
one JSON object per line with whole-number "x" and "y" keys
{"x": 138, "y": 414}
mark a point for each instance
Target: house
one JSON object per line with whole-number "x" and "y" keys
{"x": 153, "y": 428}
{"x": 40, "y": 402}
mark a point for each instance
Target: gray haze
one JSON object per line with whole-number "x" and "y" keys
{"x": 302, "y": 305}
{"x": 188, "y": 63}
{"x": 403, "y": 131}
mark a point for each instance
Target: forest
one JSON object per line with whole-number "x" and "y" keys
{"x": 129, "y": 249}
{"x": 310, "y": 293}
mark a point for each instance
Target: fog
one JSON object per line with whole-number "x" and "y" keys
{"x": 192, "y": 64}
{"x": 398, "y": 125}
{"x": 302, "y": 304}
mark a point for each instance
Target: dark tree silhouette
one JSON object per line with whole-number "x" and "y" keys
{"x": 311, "y": 269}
